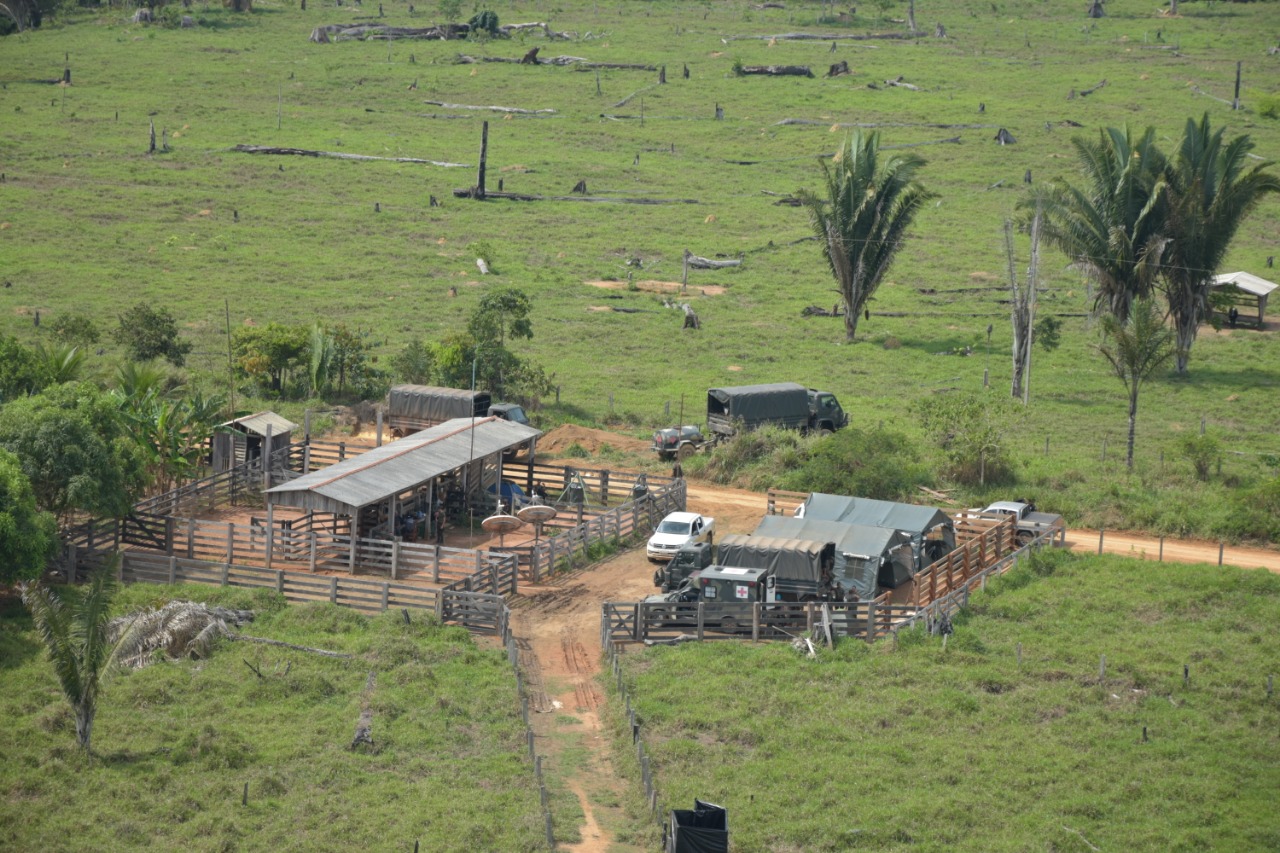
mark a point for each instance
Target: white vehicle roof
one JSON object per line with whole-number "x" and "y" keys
{"x": 1005, "y": 506}
{"x": 681, "y": 516}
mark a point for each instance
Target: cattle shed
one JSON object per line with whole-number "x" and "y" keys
{"x": 242, "y": 439}
{"x": 921, "y": 523}
{"x": 452, "y": 463}
{"x": 1245, "y": 290}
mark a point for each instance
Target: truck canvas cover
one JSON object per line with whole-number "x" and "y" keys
{"x": 859, "y": 550}
{"x": 916, "y": 521}
{"x": 786, "y": 559}
{"x": 429, "y": 403}
{"x": 777, "y": 402}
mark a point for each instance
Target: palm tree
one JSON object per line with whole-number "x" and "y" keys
{"x": 863, "y": 220}
{"x": 1135, "y": 349}
{"x": 1210, "y": 190}
{"x": 79, "y": 643}
{"x": 1112, "y": 226}
{"x": 61, "y": 363}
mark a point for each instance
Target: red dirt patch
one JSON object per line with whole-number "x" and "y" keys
{"x": 593, "y": 441}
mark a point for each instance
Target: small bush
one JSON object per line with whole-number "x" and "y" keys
{"x": 1269, "y": 106}
{"x": 892, "y": 343}
{"x": 1202, "y": 451}
{"x": 868, "y": 463}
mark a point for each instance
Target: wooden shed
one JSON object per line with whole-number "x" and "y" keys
{"x": 1245, "y": 292}
{"x": 242, "y": 439}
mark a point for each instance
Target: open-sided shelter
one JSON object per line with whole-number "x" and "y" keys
{"x": 866, "y": 558}
{"x": 244, "y": 439}
{"x": 1247, "y": 290}
{"x": 463, "y": 454}
{"x": 932, "y": 531}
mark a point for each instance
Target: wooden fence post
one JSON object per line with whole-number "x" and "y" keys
{"x": 279, "y": 582}
{"x": 226, "y": 571}
{"x": 231, "y": 542}
{"x": 871, "y": 621}
{"x": 191, "y": 539}
{"x": 395, "y": 558}
{"x": 386, "y": 594}
{"x": 435, "y": 566}
{"x": 702, "y": 619}
{"x": 311, "y": 555}
{"x": 333, "y": 589}
{"x": 173, "y": 570}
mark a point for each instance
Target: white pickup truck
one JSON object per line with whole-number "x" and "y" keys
{"x": 1028, "y": 521}
{"x": 677, "y": 530}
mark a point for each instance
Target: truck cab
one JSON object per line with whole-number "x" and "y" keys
{"x": 825, "y": 412}
{"x": 688, "y": 560}
{"x": 509, "y": 412}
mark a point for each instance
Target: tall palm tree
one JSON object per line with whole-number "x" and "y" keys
{"x": 1111, "y": 227}
{"x": 79, "y": 643}
{"x": 1135, "y": 349}
{"x": 1210, "y": 190}
{"x": 863, "y": 219}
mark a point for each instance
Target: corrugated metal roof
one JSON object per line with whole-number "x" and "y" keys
{"x": 258, "y": 422}
{"x": 401, "y": 465}
{"x": 1248, "y": 282}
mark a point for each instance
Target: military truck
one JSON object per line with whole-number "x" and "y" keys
{"x": 782, "y": 404}
{"x": 411, "y": 408}
{"x": 715, "y": 587}
{"x": 865, "y": 559}
{"x": 689, "y": 559}
{"x": 798, "y": 569}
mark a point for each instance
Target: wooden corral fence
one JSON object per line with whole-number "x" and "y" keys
{"x": 309, "y": 544}
{"x": 572, "y": 535}
{"x": 641, "y": 622}
{"x": 481, "y": 612}
{"x": 982, "y": 541}
{"x": 779, "y": 502}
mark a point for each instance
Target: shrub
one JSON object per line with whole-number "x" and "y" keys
{"x": 970, "y": 429}
{"x": 1269, "y": 106}
{"x": 868, "y": 463}
{"x": 1202, "y": 451}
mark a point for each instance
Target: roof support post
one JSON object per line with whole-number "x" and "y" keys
{"x": 351, "y": 558}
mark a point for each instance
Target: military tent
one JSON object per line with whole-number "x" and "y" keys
{"x": 865, "y": 558}
{"x": 932, "y": 531}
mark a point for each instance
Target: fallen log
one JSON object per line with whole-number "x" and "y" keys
{"x": 512, "y": 110}
{"x": 898, "y": 81}
{"x": 874, "y": 124}
{"x": 1084, "y": 93}
{"x": 954, "y": 140}
{"x": 578, "y": 62}
{"x": 697, "y": 263}
{"x": 628, "y": 98}
{"x": 774, "y": 70}
{"x": 337, "y": 155}
{"x": 264, "y": 641}
{"x": 469, "y": 192}
{"x": 820, "y": 37}
{"x": 364, "y": 726}
{"x": 838, "y": 69}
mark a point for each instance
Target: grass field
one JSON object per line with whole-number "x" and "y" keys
{"x": 917, "y": 747}
{"x": 175, "y": 743}
{"x": 92, "y": 222}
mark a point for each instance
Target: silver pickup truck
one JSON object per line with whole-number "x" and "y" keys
{"x": 1028, "y": 521}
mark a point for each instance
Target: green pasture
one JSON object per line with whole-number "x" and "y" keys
{"x": 916, "y": 746}
{"x": 176, "y": 743}
{"x": 90, "y": 221}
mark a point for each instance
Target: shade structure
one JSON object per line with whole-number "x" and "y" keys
{"x": 401, "y": 465}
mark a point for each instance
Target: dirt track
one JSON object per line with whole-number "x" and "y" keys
{"x": 557, "y": 625}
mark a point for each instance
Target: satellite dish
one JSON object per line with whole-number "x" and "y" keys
{"x": 537, "y": 515}
{"x": 501, "y": 525}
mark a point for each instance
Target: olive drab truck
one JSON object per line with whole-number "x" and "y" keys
{"x": 781, "y": 404}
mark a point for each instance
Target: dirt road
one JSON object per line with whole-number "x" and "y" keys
{"x": 557, "y": 627}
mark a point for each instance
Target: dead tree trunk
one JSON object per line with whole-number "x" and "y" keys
{"x": 776, "y": 70}
{"x": 484, "y": 153}
{"x": 1022, "y": 307}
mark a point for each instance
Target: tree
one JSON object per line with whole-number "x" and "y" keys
{"x": 171, "y": 432}
{"x": 22, "y": 372}
{"x": 970, "y": 429}
{"x": 274, "y": 351}
{"x": 1136, "y": 349}
{"x": 350, "y": 356}
{"x": 1210, "y": 190}
{"x": 77, "y": 637}
{"x": 416, "y": 363}
{"x": 863, "y": 220}
{"x": 75, "y": 329}
{"x": 148, "y": 333}
{"x": 501, "y": 313}
{"x": 28, "y": 537}
{"x": 1023, "y": 302}
{"x": 75, "y": 449}
{"x": 1112, "y": 228}
{"x": 61, "y": 363}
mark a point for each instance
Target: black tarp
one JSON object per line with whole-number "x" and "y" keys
{"x": 431, "y": 405}
{"x": 702, "y": 829}
{"x": 785, "y": 403}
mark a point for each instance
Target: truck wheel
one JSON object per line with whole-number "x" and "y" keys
{"x": 1025, "y": 537}
{"x": 685, "y": 451}
{"x": 824, "y": 432}
{"x": 728, "y": 623}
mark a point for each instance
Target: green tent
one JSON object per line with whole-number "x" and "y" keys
{"x": 866, "y": 558}
{"x": 932, "y": 531}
